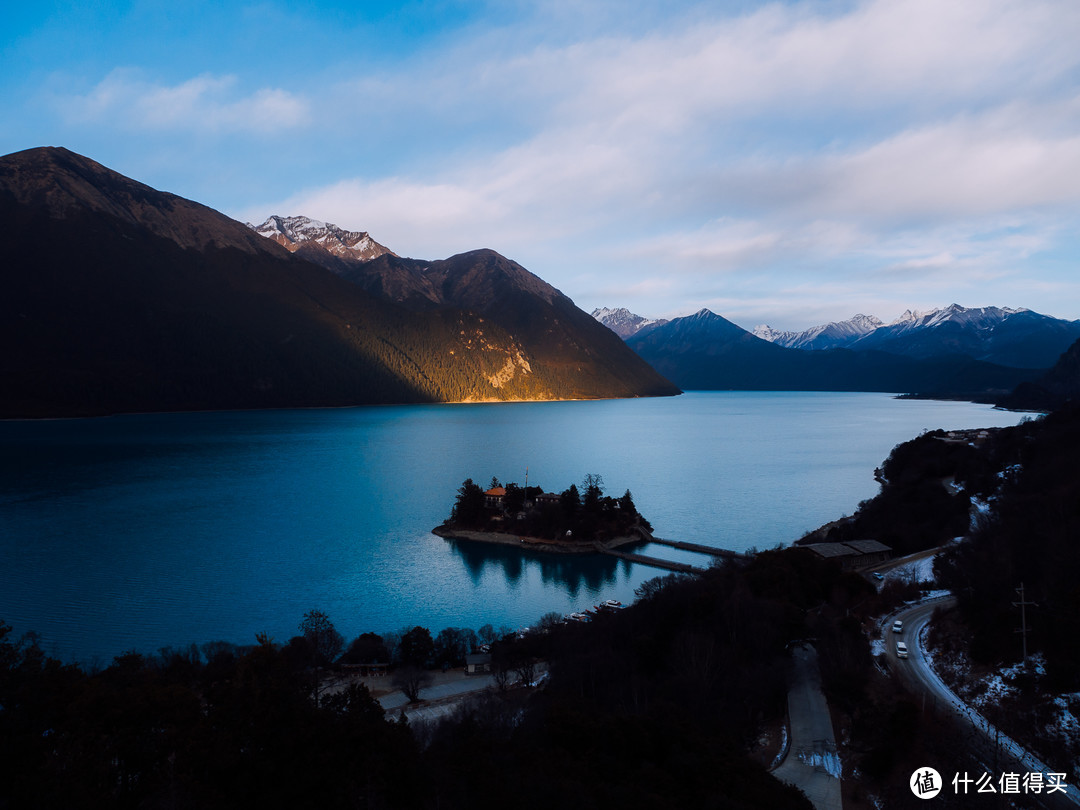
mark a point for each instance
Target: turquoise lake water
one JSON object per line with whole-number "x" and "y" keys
{"x": 145, "y": 531}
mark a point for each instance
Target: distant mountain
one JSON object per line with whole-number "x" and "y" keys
{"x": 830, "y": 336}
{"x": 1000, "y": 335}
{"x": 294, "y": 233}
{"x": 120, "y": 298}
{"x": 705, "y": 351}
{"x": 623, "y": 322}
{"x": 1010, "y": 337}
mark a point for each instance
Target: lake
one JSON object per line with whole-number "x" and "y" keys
{"x": 146, "y": 531}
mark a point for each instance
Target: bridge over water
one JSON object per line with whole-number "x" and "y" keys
{"x": 671, "y": 565}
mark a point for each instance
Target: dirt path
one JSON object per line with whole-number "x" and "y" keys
{"x": 812, "y": 764}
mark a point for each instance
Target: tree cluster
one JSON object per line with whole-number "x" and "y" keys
{"x": 583, "y": 514}
{"x": 219, "y": 727}
{"x": 657, "y": 705}
{"x": 653, "y": 706}
{"x": 926, "y": 495}
{"x": 1029, "y": 539}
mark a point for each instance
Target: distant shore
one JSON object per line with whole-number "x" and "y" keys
{"x": 537, "y": 543}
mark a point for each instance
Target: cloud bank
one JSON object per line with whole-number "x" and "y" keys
{"x": 804, "y": 156}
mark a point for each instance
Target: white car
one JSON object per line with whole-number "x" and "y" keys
{"x": 901, "y": 649}
{"x": 898, "y": 626}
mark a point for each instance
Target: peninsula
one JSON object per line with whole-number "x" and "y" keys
{"x": 571, "y": 522}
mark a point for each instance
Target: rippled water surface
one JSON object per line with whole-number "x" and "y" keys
{"x": 146, "y": 531}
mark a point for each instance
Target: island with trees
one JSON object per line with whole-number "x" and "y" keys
{"x": 574, "y": 521}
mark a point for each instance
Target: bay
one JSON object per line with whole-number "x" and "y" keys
{"x": 146, "y": 531}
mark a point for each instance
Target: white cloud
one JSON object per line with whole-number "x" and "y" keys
{"x": 202, "y": 104}
{"x": 883, "y": 143}
{"x": 921, "y": 54}
{"x": 956, "y": 168}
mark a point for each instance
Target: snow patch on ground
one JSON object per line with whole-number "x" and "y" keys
{"x": 829, "y": 761}
{"x": 988, "y": 695}
{"x": 1010, "y": 472}
{"x": 981, "y": 511}
{"x": 916, "y": 571}
{"x": 1066, "y": 721}
{"x": 782, "y": 753}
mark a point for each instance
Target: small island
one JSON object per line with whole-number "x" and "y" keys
{"x": 575, "y": 521}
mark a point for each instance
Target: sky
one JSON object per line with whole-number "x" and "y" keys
{"x": 790, "y": 163}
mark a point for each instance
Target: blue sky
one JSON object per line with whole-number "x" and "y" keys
{"x": 788, "y": 163}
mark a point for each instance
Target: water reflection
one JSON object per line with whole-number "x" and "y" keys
{"x": 573, "y": 573}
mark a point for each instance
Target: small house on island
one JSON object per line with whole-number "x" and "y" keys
{"x": 493, "y": 498}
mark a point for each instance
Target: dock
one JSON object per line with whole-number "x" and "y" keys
{"x": 655, "y": 562}
{"x": 715, "y": 552}
{"x": 671, "y": 565}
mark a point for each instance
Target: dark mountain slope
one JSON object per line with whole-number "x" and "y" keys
{"x": 565, "y": 340}
{"x": 1057, "y": 388}
{"x": 705, "y": 351}
{"x": 64, "y": 185}
{"x": 572, "y": 352}
{"x": 117, "y": 297}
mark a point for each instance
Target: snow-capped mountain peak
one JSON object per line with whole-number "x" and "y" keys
{"x": 623, "y": 322}
{"x": 293, "y": 232}
{"x": 766, "y": 332}
{"x": 827, "y": 336}
{"x": 973, "y": 317}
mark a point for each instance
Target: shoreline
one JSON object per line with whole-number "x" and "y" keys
{"x": 540, "y": 544}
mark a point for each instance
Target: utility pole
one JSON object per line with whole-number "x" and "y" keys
{"x": 1022, "y": 604}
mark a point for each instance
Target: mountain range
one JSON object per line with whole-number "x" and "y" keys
{"x": 1010, "y": 337}
{"x": 829, "y": 336}
{"x": 1019, "y": 338}
{"x": 706, "y": 351}
{"x": 122, "y": 298}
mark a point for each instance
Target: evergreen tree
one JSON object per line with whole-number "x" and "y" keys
{"x": 469, "y": 508}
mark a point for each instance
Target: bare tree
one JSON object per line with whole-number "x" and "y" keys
{"x": 410, "y": 680}
{"x": 500, "y": 671}
{"x": 525, "y": 666}
{"x": 324, "y": 640}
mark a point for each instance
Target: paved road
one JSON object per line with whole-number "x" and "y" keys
{"x": 439, "y": 691}
{"x": 812, "y": 764}
{"x": 443, "y": 696}
{"x": 917, "y": 674}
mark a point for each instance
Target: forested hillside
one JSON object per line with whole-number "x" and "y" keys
{"x": 123, "y": 298}
{"x": 1030, "y": 538}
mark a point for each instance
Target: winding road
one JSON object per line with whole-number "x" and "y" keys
{"x": 916, "y": 673}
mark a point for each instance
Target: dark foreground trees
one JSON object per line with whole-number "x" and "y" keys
{"x": 647, "y": 708}
{"x": 238, "y": 730}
